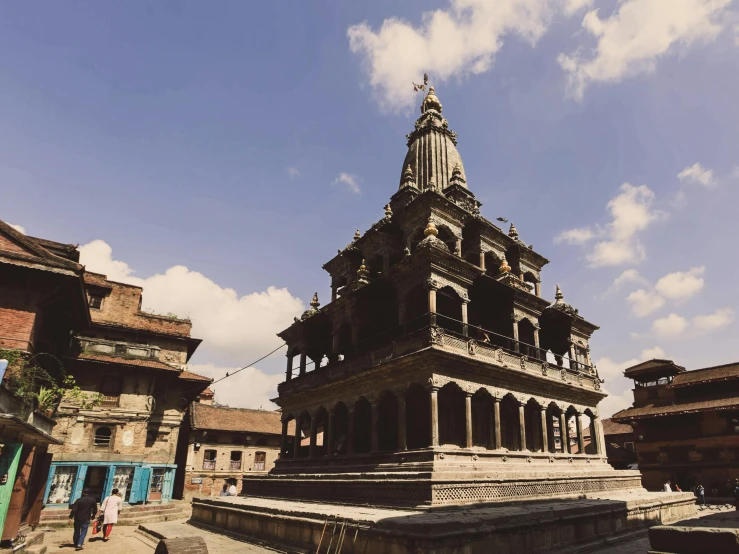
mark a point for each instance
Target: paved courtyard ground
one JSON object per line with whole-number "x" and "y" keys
{"x": 125, "y": 541}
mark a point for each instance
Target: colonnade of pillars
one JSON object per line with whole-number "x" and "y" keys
{"x": 382, "y": 425}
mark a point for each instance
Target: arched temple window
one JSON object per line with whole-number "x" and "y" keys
{"x": 288, "y": 446}
{"x": 452, "y": 415}
{"x": 527, "y": 339}
{"x": 531, "y": 279}
{"x": 510, "y": 428}
{"x": 483, "y": 424}
{"x": 341, "y": 429}
{"x": 554, "y": 434}
{"x": 449, "y": 309}
{"x": 387, "y": 423}
{"x": 532, "y": 416}
{"x": 589, "y": 431}
{"x": 418, "y": 417}
{"x": 303, "y": 423}
{"x": 321, "y": 431}
{"x": 362, "y": 426}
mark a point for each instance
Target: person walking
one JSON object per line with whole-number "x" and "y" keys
{"x": 111, "y": 508}
{"x": 224, "y": 491}
{"x": 667, "y": 487}
{"x": 232, "y": 489}
{"x": 83, "y": 510}
{"x": 701, "y": 495}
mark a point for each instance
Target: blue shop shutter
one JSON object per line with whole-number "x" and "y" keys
{"x": 139, "y": 485}
{"x": 167, "y": 485}
{"x": 78, "y": 484}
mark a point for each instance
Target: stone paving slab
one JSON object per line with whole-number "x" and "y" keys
{"x": 217, "y": 543}
{"x": 122, "y": 541}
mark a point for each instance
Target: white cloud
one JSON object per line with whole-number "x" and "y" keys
{"x": 736, "y": 34}
{"x": 628, "y": 276}
{"x": 617, "y": 386}
{"x": 293, "y": 172}
{"x": 574, "y": 6}
{"x": 681, "y": 285}
{"x": 697, "y": 175}
{"x": 632, "y": 39}
{"x": 575, "y": 236}
{"x": 250, "y": 388}
{"x": 707, "y": 323}
{"x": 671, "y": 326}
{"x": 232, "y": 326}
{"x": 18, "y": 228}
{"x": 351, "y": 182}
{"x": 644, "y": 302}
{"x": 460, "y": 40}
{"x": 631, "y": 212}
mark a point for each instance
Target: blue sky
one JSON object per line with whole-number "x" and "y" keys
{"x": 218, "y": 153}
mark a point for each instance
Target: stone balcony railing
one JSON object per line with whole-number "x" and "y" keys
{"x": 117, "y": 348}
{"x": 507, "y": 353}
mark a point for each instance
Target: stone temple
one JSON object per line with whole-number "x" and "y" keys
{"x": 438, "y": 377}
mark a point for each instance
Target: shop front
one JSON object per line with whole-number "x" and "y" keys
{"x": 137, "y": 482}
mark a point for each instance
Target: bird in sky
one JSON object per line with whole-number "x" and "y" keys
{"x": 416, "y": 87}
{"x": 503, "y": 219}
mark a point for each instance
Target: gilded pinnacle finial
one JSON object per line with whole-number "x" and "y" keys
{"x": 504, "y": 267}
{"x": 362, "y": 272}
{"x": 315, "y": 303}
{"x": 408, "y": 178}
{"x": 558, "y": 296}
{"x": 430, "y": 229}
{"x": 388, "y": 211}
{"x": 357, "y": 235}
{"x": 431, "y": 102}
{"x": 513, "y": 232}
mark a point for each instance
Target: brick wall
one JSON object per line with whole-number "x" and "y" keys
{"x": 18, "y": 315}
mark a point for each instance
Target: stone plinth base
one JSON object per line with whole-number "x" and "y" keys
{"x": 440, "y": 489}
{"x": 514, "y": 527}
{"x": 717, "y": 532}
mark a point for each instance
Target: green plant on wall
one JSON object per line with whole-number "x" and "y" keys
{"x": 33, "y": 383}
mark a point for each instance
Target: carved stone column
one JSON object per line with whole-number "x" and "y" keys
{"x": 564, "y": 435}
{"x": 537, "y": 288}
{"x": 350, "y": 432}
{"x": 544, "y": 431}
{"x": 402, "y": 436}
{"x": 289, "y": 370}
{"x": 432, "y": 286}
{"x": 496, "y": 428}
{"x": 515, "y": 333}
{"x": 375, "y": 431}
{"x": 468, "y": 419}
{"x": 465, "y": 328}
{"x": 283, "y": 439}
{"x": 298, "y": 437}
{"x": 600, "y": 445}
{"x": 313, "y": 436}
{"x": 522, "y": 425}
{"x": 434, "y": 393}
{"x": 303, "y": 364}
{"x": 329, "y": 439}
{"x": 482, "y": 260}
{"x": 580, "y": 438}
{"x": 459, "y": 247}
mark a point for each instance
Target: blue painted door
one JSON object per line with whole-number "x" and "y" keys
{"x": 139, "y": 485}
{"x": 168, "y": 485}
{"x": 78, "y": 484}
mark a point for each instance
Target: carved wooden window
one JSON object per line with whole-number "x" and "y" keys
{"x": 111, "y": 391}
{"x": 260, "y": 459}
{"x": 95, "y": 301}
{"x": 103, "y": 438}
{"x": 236, "y": 460}
{"x": 209, "y": 459}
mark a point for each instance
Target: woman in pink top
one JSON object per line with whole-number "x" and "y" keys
{"x": 110, "y": 507}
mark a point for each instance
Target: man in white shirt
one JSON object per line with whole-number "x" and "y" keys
{"x": 667, "y": 487}
{"x": 232, "y": 490}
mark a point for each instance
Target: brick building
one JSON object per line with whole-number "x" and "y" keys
{"x": 223, "y": 444}
{"x": 686, "y": 424}
{"x": 619, "y": 444}
{"x": 130, "y": 367}
{"x": 42, "y": 299}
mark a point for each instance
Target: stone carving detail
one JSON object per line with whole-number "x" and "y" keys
{"x": 596, "y": 384}
{"x": 544, "y": 367}
{"x": 563, "y": 374}
{"x": 523, "y": 362}
{"x": 432, "y": 284}
{"x": 528, "y": 459}
{"x": 437, "y": 336}
{"x": 579, "y": 379}
{"x": 551, "y": 459}
{"x": 474, "y": 458}
{"x": 441, "y": 456}
{"x": 472, "y": 347}
{"x": 500, "y": 355}
{"x": 505, "y": 458}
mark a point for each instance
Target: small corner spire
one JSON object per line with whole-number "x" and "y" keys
{"x": 430, "y": 228}
{"x": 513, "y": 232}
{"x": 315, "y": 303}
{"x": 504, "y": 267}
{"x": 558, "y": 296}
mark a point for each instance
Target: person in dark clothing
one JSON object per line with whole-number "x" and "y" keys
{"x": 83, "y": 510}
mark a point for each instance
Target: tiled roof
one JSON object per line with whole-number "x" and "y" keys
{"x": 190, "y": 376}
{"x": 651, "y": 410}
{"x": 650, "y": 365}
{"x": 611, "y": 427}
{"x": 138, "y": 362}
{"x": 708, "y": 374}
{"x": 204, "y": 416}
{"x": 27, "y": 250}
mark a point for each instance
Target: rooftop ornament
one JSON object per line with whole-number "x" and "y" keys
{"x": 430, "y": 229}
{"x": 409, "y": 180}
{"x": 513, "y": 232}
{"x": 388, "y": 212}
{"x": 313, "y": 310}
{"x": 357, "y": 235}
{"x": 504, "y": 267}
{"x": 362, "y": 273}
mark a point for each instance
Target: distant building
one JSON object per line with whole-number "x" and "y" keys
{"x": 223, "y": 444}
{"x": 121, "y": 431}
{"x": 686, "y": 424}
{"x": 619, "y": 444}
{"x": 42, "y": 299}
